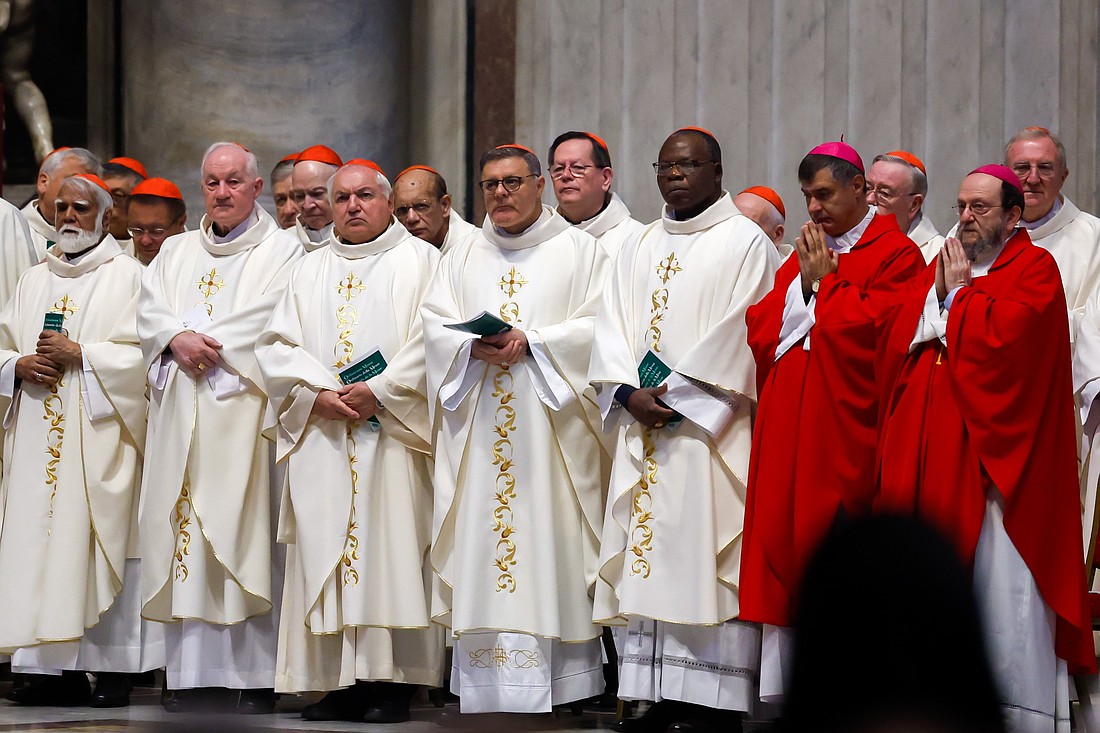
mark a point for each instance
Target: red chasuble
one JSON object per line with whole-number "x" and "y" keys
{"x": 995, "y": 408}
{"x": 813, "y": 445}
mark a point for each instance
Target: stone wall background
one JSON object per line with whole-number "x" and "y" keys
{"x": 949, "y": 80}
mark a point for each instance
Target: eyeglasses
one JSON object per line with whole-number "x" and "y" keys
{"x": 511, "y": 183}
{"x": 885, "y": 194}
{"x": 1043, "y": 170}
{"x": 138, "y": 232}
{"x": 977, "y": 209}
{"x": 576, "y": 170}
{"x": 687, "y": 167}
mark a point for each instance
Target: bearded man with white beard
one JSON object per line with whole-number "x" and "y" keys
{"x": 72, "y": 394}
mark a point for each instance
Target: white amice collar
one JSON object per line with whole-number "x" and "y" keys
{"x": 549, "y": 224}
{"x": 612, "y": 215}
{"x": 848, "y": 239}
{"x": 716, "y": 213}
{"x": 394, "y": 235}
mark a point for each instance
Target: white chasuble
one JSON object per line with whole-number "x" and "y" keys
{"x": 43, "y": 235}
{"x": 357, "y": 505}
{"x": 1073, "y": 237}
{"x": 459, "y": 232}
{"x": 72, "y": 450}
{"x": 613, "y": 226}
{"x": 518, "y": 495}
{"x": 17, "y": 252}
{"x": 675, "y": 510}
{"x": 205, "y": 513}
{"x": 925, "y": 235}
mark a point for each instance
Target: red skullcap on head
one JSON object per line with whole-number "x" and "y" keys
{"x": 517, "y": 147}
{"x": 599, "y": 141}
{"x": 768, "y": 195}
{"x": 132, "y": 164}
{"x": 292, "y": 156}
{"x": 161, "y": 187}
{"x": 703, "y": 130}
{"x": 1005, "y": 173}
{"x": 56, "y": 150}
{"x": 417, "y": 168}
{"x": 367, "y": 163}
{"x": 94, "y": 179}
{"x": 1036, "y": 128}
{"x": 909, "y": 158}
{"x": 321, "y": 154}
{"x": 841, "y": 150}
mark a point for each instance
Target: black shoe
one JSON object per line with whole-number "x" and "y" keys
{"x": 69, "y": 689}
{"x": 347, "y": 704}
{"x": 258, "y": 701}
{"x": 389, "y": 703}
{"x": 200, "y": 700}
{"x": 112, "y": 690}
{"x": 656, "y": 719}
{"x": 699, "y": 719}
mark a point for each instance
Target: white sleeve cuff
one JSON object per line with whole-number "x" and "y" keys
{"x": 95, "y": 400}
{"x": 454, "y": 390}
{"x": 7, "y": 389}
{"x": 798, "y": 318}
{"x": 550, "y": 386}
{"x": 932, "y": 324}
{"x": 705, "y": 405}
{"x": 158, "y": 372}
{"x": 223, "y": 382}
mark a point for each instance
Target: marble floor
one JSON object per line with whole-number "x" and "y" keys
{"x": 145, "y": 715}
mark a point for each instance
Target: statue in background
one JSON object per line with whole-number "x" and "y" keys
{"x": 16, "y": 44}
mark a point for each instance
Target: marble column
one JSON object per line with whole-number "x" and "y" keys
{"x": 273, "y": 75}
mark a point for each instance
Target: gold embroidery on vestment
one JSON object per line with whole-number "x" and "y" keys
{"x": 53, "y": 407}
{"x": 183, "y": 536}
{"x": 499, "y": 657}
{"x": 510, "y": 283}
{"x": 351, "y": 553}
{"x": 641, "y": 536}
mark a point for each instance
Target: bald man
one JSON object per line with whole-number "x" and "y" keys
{"x": 423, "y": 206}
{"x": 313, "y": 168}
{"x": 763, "y": 206}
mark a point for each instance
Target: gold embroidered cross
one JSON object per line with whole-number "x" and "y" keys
{"x": 511, "y": 282}
{"x": 210, "y": 283}
{"x": 500, "y": 656}
{"x": 350, "y": 286}
{"x": 668, "y": 267}
{"x": 66, "y": 307}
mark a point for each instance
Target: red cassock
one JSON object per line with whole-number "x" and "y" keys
{"x": 995, "y": 408}
{"x": 816, "y": 430}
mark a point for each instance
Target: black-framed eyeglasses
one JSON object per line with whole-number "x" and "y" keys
{"x": 687, "y": 167}
{"x": 511, "y": 183}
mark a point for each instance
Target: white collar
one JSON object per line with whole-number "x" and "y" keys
{"x": 848, "y": 239}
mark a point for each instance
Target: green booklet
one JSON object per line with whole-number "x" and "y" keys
{"x": 651, "y": 372}
{"x": 54, "y": 322}
{"x": 483, "y": 324}
{"x": 369, "y": 366}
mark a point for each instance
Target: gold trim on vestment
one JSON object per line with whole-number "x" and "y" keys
{"x": 510, "y": 283}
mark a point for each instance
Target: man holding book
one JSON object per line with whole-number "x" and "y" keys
{"x": 517, "y": 482}
{"x": 677, "y": 387}
{"x": 342, "y": 360}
